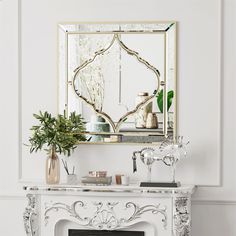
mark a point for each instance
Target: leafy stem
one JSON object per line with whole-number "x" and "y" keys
{"x": 58, "y": 133}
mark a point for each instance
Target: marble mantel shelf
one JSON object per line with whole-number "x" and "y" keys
{"x": 118, "y": 189}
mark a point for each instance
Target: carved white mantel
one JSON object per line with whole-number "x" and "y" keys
{"x": 167, "y": 210}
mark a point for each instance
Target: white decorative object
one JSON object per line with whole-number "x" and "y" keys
{"x": 141, "y": 115}
{"x": 125, "y": 180}
{"x": 169, "y": 152}
{"x": 166, "y": 210}
{"x": 72, "y": 179}
{"x": 151, "y": 122}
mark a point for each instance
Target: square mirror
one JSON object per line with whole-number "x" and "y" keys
{"x": 121, "y": 77}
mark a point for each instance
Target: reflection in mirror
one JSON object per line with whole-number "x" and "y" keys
{"x": 121, "y": 78}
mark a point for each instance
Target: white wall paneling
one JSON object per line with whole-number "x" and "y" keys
{"x": 199, "y": 44}
{"x": 9, "y": 96}
{"x": 11, "y": 217}
{"x": 213, "y": 220}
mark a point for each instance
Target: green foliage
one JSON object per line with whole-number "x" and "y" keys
{"x": 170, "y": 96}
{"x": 58, "y": 132}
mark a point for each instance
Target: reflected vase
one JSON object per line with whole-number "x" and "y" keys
{"x": 141, "y": 115}
{"x": 52, "y": 168}
{"x": 97, "y": 124}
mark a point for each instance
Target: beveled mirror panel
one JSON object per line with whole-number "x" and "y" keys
{"x": 121, "y": 77}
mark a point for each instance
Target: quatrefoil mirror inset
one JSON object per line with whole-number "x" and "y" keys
{"x": 106, "y": 69}
{"x": 92, "y": 89}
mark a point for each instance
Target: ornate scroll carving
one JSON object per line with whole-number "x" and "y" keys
{"x": 104, "y": 217}
{"x": 30, "y": 216}
{"x": 182, "y": 218}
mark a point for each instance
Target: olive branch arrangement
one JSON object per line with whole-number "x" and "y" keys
{"x": 59, "y": 134}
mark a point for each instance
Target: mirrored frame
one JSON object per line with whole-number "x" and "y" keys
{"x": 68, "y": 97}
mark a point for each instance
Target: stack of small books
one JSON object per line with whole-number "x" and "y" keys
{"x": 97, "y": 178}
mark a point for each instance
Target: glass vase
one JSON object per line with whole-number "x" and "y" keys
{"x": 52, "y": 168}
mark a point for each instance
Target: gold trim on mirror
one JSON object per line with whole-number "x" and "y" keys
{"x": 116, "y": 126}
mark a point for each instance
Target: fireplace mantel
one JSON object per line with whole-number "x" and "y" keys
{"x": 166, "y": 210}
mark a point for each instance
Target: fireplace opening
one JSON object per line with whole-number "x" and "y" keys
{"x": 81, "y": 232}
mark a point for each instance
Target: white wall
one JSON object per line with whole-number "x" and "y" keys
{"x": 199, "y": 72}
{"x": 28, "y": 83}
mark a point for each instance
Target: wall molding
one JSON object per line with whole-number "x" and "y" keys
{"x": 19, "y": 93}
{"x": 214, "y": 202}
{"x": 219, "y": 180}
{"x": 221, "y": 76}
{"x": 12, "y": 197}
